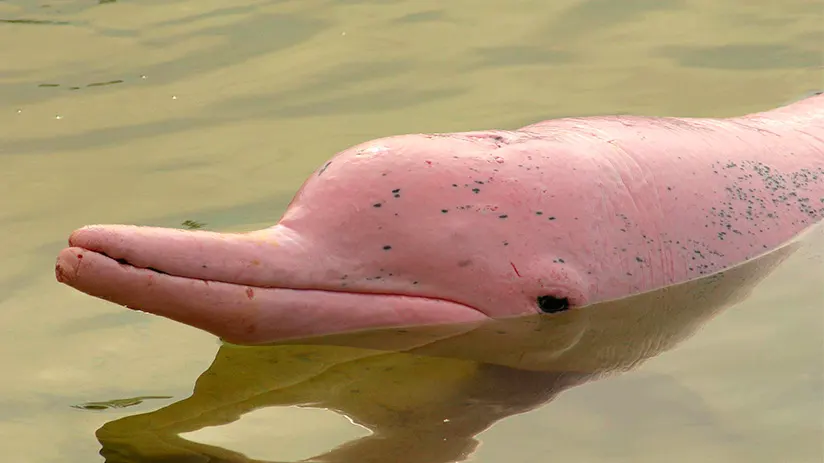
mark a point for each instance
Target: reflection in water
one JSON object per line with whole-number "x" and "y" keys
{"x": 118, "y": 403}
{"x": 425, "y": 393}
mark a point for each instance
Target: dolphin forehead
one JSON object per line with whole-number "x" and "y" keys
{"x": 452, "y": 170}
{"x": 433, "y": 190}
{"x": 484, "y": 218}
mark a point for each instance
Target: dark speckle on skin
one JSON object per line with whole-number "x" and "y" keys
{"x": 552, "y": 218}
{"x": 465, "y": 263}
{"x": 323, "y": 169}
{"x": 376, "y": 205}
{"x": 476, "y": 190}
{"x": 396, "y": 192}
{"x": 387, "y": 247}
{"x": 539, "y": 213}
{"x": 503, "y": 216}
{"x": 444, "y": 211}
{"x": 758, "y": 196}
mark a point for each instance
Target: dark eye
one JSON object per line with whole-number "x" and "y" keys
{"x": 552, "y": 304}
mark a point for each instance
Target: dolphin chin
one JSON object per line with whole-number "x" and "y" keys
{"x": 152, "y": 270}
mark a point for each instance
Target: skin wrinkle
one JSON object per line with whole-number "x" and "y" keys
{"x": 747, "y": 126}
{"x": 587, "y": 131}
{"x": 819, "y": 140}
{"x": 627, "y": 184}
{"x": 629, "y": 194}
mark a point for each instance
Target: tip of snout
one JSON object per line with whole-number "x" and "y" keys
{"x": 81, "y": 240}
{"x": 67, "y": 264}
{"x": 81, "y": 243}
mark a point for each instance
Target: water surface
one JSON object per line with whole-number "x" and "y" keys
{"x": 161, "y": 112}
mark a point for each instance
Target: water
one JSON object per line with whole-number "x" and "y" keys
{"x": 162, "y": 112}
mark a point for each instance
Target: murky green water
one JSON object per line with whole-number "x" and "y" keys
{"x": 160, "y": 112}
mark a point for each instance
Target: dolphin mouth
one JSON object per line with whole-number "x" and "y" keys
{"x": 223, "y": 284}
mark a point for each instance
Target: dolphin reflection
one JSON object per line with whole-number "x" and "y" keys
{"x": 426, "y": 392}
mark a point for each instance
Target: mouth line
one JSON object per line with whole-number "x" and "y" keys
{"x": 125, "y": 263}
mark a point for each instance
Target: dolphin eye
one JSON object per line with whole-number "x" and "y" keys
{"x": 552, "y": 304}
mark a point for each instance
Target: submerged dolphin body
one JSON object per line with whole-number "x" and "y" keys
{"x": 463, "y": 227}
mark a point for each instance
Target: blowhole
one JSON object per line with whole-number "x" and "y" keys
{"x": 552, "y": 304}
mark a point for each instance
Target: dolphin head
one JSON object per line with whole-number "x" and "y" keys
{"x": 400, "y": 231}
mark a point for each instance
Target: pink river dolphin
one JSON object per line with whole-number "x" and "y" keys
{"x": 428, "y": 229}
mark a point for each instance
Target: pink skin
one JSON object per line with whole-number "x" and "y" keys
{"x": 463, "y": 227}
